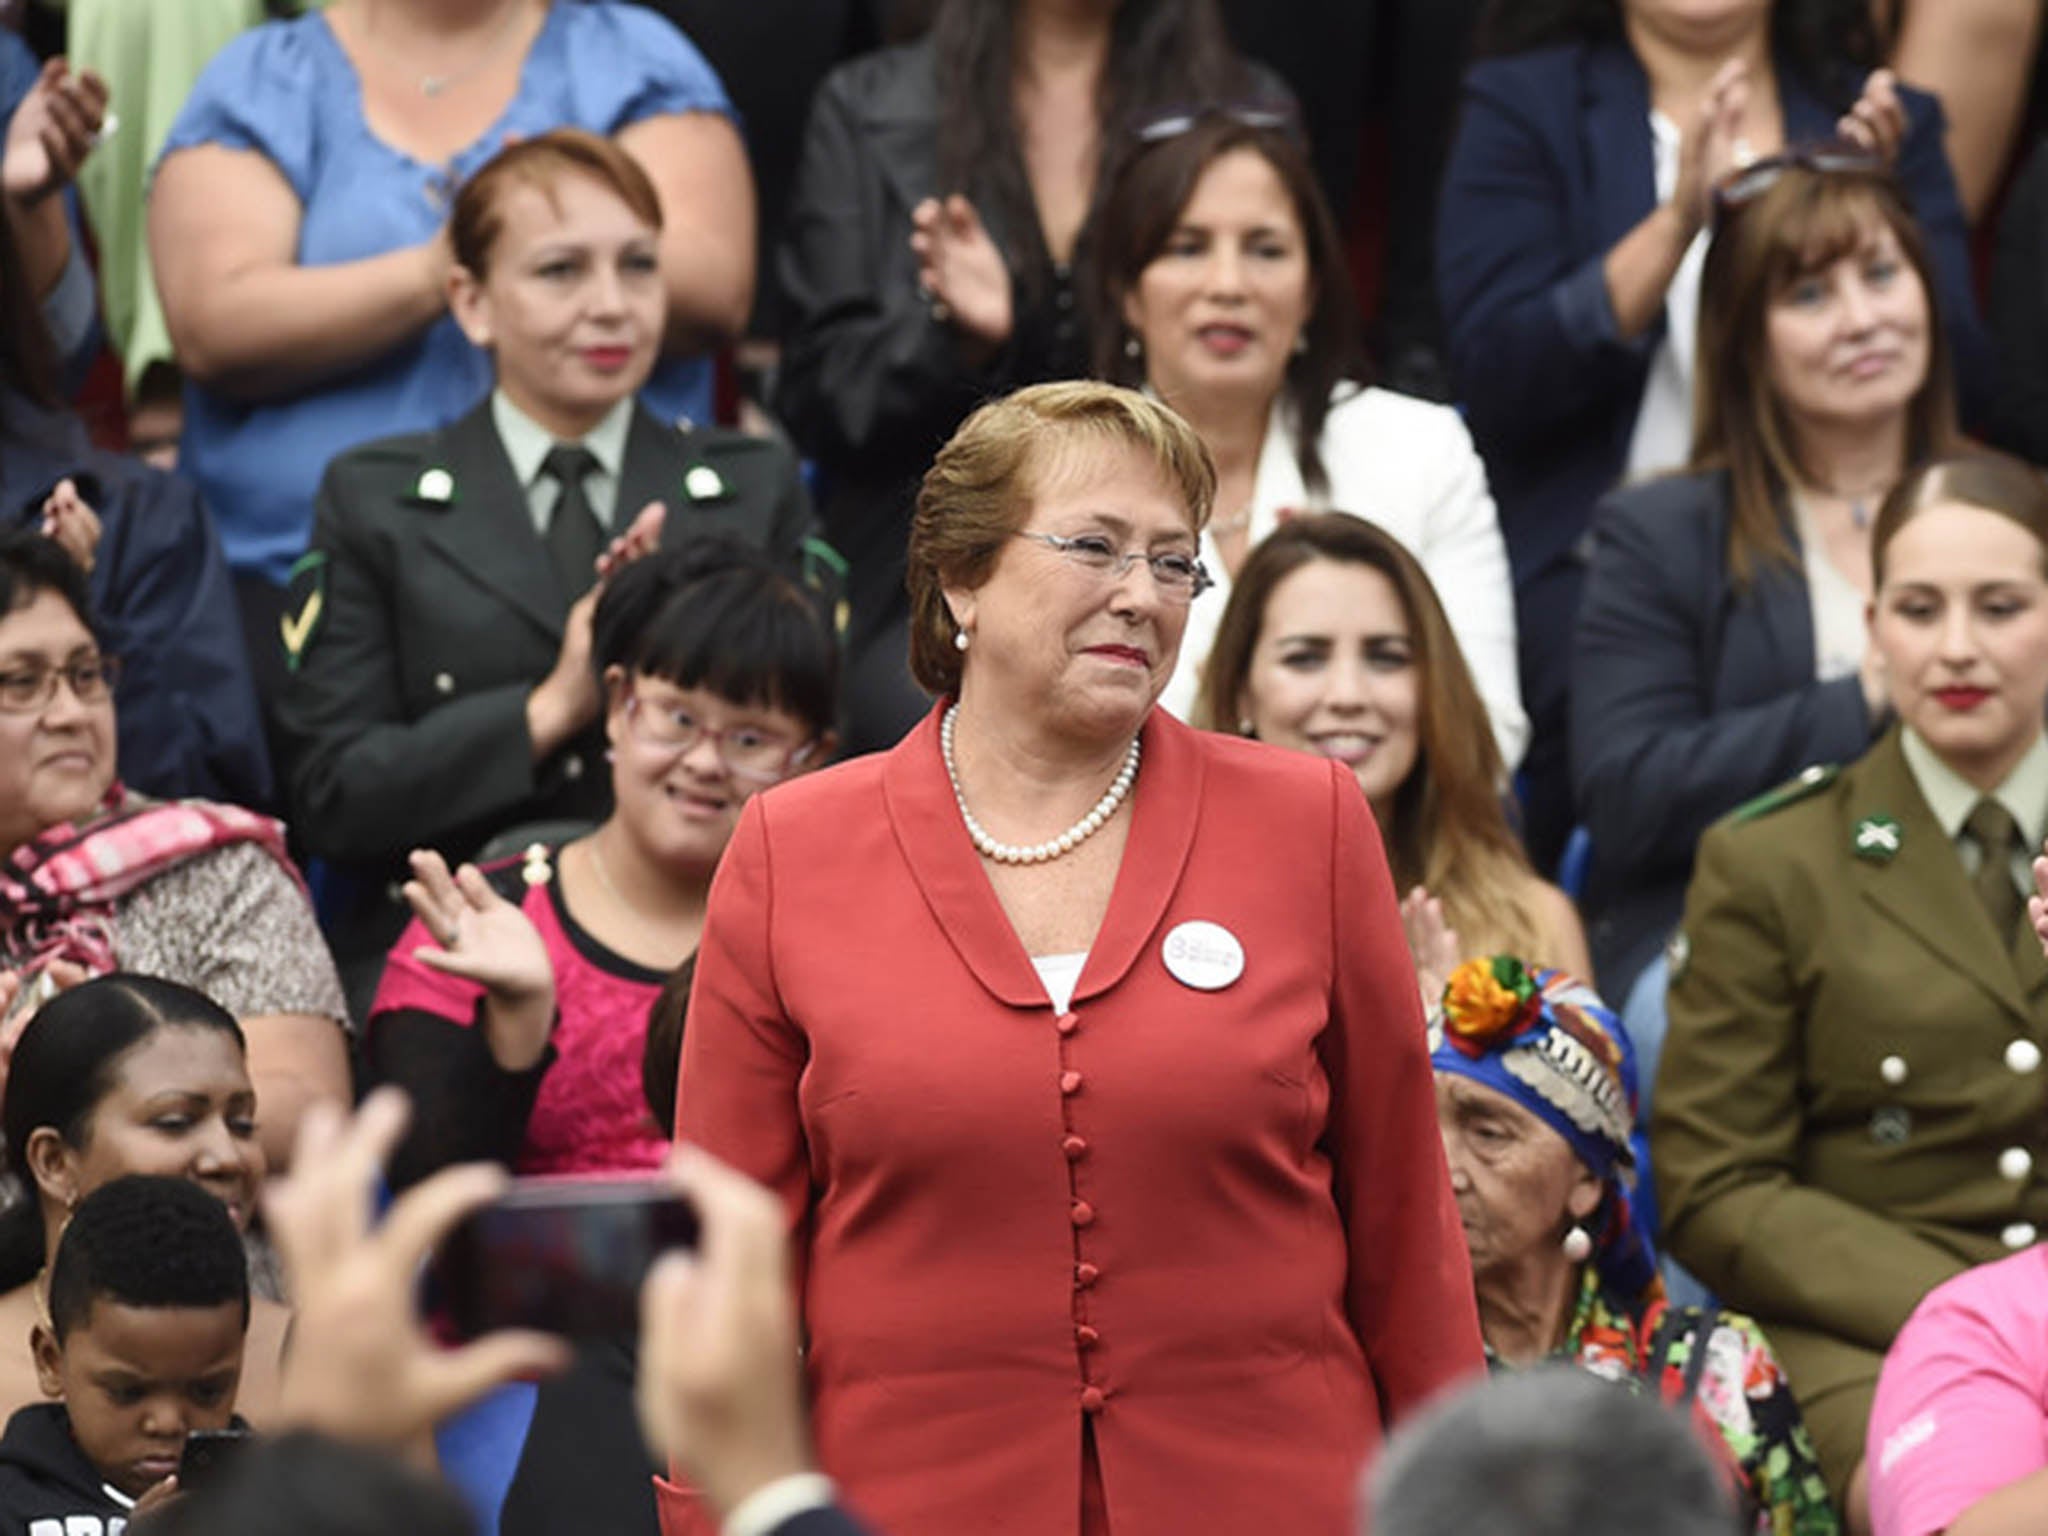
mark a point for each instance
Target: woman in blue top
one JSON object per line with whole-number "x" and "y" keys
{"x": 297, "y": 225}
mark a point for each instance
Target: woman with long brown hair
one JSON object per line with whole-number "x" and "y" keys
{"x": 1721, "y": 647}
{"x": 1334, "y": 642}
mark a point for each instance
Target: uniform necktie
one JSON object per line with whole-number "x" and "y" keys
{"x": 1997, "y": 835}
{"x": 575, "y": 537}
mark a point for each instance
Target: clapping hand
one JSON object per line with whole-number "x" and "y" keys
{"x": 960, "y": 269}
{"x": 52, "y": 131}
{"x": 73, "y": 524}
{"x": 361, "y": 1367}
{"x": 642, "y": 537}
{"x": 1877, "y": 122}
{"x": 482, "y": 937}
{"x": 1432, "y": 944}
{"x": 2037, "y": 904}
{"x": 1714, "y": 145}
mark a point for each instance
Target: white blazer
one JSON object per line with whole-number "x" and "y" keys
{"x": 1410, "y": 467}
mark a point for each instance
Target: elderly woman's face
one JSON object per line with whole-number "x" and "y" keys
{"x": 57, "y": 754}
{"x": 1057, "y": 639}
{"x": 1518, "y": 1184}
{"x": 573, "y": 306}
{"x": 1962, "y": 624}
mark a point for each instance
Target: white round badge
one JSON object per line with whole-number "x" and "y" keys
{"x": 1205, "y": 956}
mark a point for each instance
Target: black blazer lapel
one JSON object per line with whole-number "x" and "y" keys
{"x": 486, "y": 531}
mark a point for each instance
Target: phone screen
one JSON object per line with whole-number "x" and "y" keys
{"x": 565, "y": 1256}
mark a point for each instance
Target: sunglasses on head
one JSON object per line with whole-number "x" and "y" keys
{"x": 1172, "y": 122}
{"x": 1750, "y": 182}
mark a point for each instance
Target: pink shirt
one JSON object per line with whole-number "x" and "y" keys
{"x": 1962, "y": 1406}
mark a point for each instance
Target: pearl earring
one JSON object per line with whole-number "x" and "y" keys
{"x": 1578, "y": 1244}
{"x": 1133, "y": 348}
{"x": 959, "y": 639}
{"x": 1244, "y": 725}
{"x": 1301, "y": 343}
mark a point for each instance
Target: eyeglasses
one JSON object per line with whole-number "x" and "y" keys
{"x": 1179, "y": 578}
{"x": 1836, "y": 158}
{"x": 1175, "y": 121}
{"x": 90, "y": 678}
{"x": 748, "y": 752}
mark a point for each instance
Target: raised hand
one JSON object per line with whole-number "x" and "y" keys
{"x": 1432, "y": 944}
{"x": 642, "y": 537}
{"x": 361, "y": 1366}
{"x": 1878, "y": 119}
{"x": 52, "y": 131}
{"x": 959, "y": 266}
{"x": 72, "y": 523}
{"x": 482, "y": 937}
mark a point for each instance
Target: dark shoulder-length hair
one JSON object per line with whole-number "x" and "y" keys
{"x": 1143, "y": 205}
{"x": 1162, "y": 54}
{"x": 720, "y": 614}
{"x": 1832, "y": 44}
{"x": 1800, "y": 224}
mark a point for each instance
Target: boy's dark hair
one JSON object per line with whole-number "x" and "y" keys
{"x": 145, "y": 1241}
{"x": 313, "y": 1486}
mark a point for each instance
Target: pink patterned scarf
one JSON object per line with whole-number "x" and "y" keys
{"x": 58, "y": 890}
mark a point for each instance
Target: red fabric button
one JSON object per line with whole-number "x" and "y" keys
{"x": 1092, "y": 1399}
{"x": 1087, "y": 1337}
{"x": 1083, "y": 1213}
{"x": 1086, "y": 1275}
{"x": 1074, "y": 1147}
{"x": 1066, "y": 1023}
{"x": 1070, "y": 1082}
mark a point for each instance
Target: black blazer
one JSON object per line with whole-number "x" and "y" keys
{"x": 1688, "y": 698}
{"x": 423, "y": 622}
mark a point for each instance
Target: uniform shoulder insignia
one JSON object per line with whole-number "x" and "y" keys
{"x": 1811, "y": 781}
{"x": 305, "y": 604}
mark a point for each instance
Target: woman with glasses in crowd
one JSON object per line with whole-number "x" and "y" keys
{"x": 932, "y": 253}
{"x": 96, "y": 878}
{"x": 1571, "y": 234}
{"x": 1721, "y": 643}
{"x": 1849, "y": 1105}
{"x": 1081, "y": 1046}
{"x": 1220, "y": 285}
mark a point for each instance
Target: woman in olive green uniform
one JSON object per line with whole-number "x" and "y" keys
{"x": 1852, "y": 1104}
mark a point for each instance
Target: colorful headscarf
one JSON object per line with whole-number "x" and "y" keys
{"x": 1547, "y": 1041}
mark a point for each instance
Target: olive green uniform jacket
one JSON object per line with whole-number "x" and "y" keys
{"x": 1850, "y": 1105}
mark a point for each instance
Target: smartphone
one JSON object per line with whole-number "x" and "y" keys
{"x": 565, "y": 1256}
{"x": 207, "y": 1454}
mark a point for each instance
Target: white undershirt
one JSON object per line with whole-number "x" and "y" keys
{"x": 1663, "y": 434}
{"x": 1061, "y": 974}
{"x": 1839, "y": 632}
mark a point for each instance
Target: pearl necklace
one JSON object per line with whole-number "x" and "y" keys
{"x": 1052, "y": 848}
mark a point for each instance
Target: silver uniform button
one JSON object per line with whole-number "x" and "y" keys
{"x": 444, "y": 682}
{"x": 2020, "y": 1234}
{"x": 2015, "y": 1163}
{"x": 1893, "y": 1070}
{"x": 2023, "y": 1056}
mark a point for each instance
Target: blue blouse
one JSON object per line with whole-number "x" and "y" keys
{"x": 287, "y": 91}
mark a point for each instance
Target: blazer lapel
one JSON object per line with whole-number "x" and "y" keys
{"x": 1166, "y": 808}
{"x": 928, "y": 828}
{"x": 1922, "y": 887}
{"x": 487, "y": 532}
{"x": 656, "y": 459}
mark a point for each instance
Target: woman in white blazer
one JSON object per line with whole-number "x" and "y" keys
{"x": 1220, "y": 286}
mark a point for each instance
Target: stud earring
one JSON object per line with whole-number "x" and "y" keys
{"x": 1133, "y": 348}
{"x": 1578, "y": 1244}
{"x": 959, "y": 639}
{"x": 1244, "y": 725}
{"x": 1301, "y": 343}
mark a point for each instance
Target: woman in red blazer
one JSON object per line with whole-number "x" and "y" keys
{"x": 1084, "y": 1048}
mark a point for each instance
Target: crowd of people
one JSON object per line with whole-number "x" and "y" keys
{"x": 1246, "y": 892}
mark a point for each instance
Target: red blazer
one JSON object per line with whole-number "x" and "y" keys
{"x": 1217, "y": 1223}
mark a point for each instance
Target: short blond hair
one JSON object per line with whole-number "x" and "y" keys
{"x": 978, "y": 492}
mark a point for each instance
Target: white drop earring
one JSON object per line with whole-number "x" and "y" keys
{"x": 1577, "y": 1244}
{"x": 959, "y": 639}
{"x": 1133, "y": 348}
